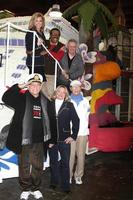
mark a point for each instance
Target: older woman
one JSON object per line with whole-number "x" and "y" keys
{"x": 64, "y": 124}
{"x": 37, "y": 23}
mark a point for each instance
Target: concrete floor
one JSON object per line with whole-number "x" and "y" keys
{"x": 108, "y": 176}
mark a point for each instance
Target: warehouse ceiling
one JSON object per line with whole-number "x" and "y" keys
{"x": 24, "y": 7}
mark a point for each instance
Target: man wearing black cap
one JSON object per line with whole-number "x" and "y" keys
{"x": 28, "y": 132}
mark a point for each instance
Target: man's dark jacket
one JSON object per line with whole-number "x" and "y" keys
{"x": 17, "y": 100}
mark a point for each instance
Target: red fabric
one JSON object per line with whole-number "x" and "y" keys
{"x": 108, "y": 139}
{"x": 101, "y": 119}
{"x": 111, "y": 139}
{"x": 110, "y": 98}
{"x": 23, "y": 91}
{"x": 58, "y": 55}
{"x": 106, "y": 118}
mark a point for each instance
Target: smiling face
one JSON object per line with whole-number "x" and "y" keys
{"x": 54, "y": 36}
{"x": 34, "y": 88}
{"x": 61, "y": 93}
{"x": 76, "y": 90}
{"x": 38, "y": 23}
{"x": 72, "y": 47}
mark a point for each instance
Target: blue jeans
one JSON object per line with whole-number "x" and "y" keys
{"x": 60, "y": 173}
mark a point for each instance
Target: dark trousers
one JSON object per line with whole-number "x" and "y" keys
{"x": 60, "y": 168}
{"x": 30, "y": 163}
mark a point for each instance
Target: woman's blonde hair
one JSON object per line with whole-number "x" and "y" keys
{"x": 54, "y": 95}
{"x": 32, "y": 21}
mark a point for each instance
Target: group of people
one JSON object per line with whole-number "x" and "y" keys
{"x": 71, "y": 63}
{"x": 58, "y": 124}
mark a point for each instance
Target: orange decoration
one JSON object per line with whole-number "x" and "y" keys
{"x": 106, "y": 71}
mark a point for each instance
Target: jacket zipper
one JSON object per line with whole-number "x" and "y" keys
{"x": 57, "y": 128}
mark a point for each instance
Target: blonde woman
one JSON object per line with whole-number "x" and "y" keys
{"x": 62, "y": 114}
{"x": 37, "y": 23}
